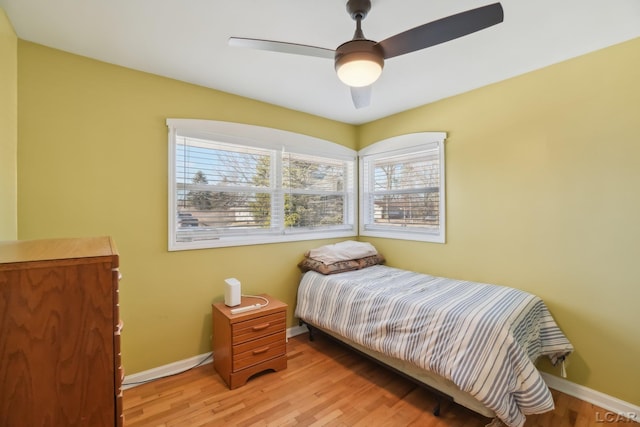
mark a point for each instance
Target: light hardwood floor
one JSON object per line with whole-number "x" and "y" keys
{"x": 325, "y": 384}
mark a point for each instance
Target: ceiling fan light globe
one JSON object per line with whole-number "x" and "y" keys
{"x": 359, "y": 63}
{"x": 359, "y": 73}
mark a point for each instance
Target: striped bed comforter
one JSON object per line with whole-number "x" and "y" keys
{"x": 484, "y": 338}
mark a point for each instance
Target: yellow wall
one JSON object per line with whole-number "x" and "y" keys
{"x": 93, "y": 161}
{"x": 542, "y": 178}
{"x": 8, "y": 130}
{"x": 542, "y": 186}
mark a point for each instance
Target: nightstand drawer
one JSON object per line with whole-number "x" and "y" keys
{"x": 254, "y": 352}
{"x": 258, "y": 327}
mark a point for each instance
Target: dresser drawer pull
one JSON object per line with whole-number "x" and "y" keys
{"x": 261, "y": 327}
{"x": 261, "y": 350}
{"x": 119, "y": 327}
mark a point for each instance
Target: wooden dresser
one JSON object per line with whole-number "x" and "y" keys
{"x": 247, "y": 343}
{"x": 60, "y": 359}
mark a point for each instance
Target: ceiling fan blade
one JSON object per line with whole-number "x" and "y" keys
{"x": 442, "y": 30}
{"x": 361, "y": 96}
{"x": 283, "y": 47}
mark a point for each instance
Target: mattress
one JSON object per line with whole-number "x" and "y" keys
{"x": 483, "y": 338}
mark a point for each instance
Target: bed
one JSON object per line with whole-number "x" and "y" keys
{"x": 474, "y": 342}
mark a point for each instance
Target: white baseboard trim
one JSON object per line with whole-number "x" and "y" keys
{"x": 297, "y": 330}
{"x": 184, "y": 365}
{"x": 604, "y": 401}
{"x": 166, "y": 370}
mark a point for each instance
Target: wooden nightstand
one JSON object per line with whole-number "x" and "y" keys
{"x": 247, "y": 343}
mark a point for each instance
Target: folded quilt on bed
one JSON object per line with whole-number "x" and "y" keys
{"x": 485, "y": 338}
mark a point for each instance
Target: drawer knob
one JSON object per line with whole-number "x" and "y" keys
{"x": 261, "y": 327}
{"x": 261, "y": 350}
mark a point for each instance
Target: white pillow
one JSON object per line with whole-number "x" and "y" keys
{"x": 343, "y": 251}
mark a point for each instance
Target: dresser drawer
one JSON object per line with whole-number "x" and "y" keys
{"x": 258, "y": 327}
{"x": 254, "y": 352}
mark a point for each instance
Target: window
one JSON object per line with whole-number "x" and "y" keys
{"x": 234, "y": 184}
{"x": 402, "y": 188}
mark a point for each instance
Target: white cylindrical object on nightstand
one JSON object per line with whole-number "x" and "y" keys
{"x": 232, "y": 293}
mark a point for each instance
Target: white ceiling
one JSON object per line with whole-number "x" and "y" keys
{"x": 187, "y": 40}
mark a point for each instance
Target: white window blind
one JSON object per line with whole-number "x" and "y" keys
{"x": 402, "y": 188}
{"x": 222, "y": 187}
{"x": 231, "y": 189}
{"x": 315, "y": 192}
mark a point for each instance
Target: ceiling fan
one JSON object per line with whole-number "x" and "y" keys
{"x": 359, "y": 62}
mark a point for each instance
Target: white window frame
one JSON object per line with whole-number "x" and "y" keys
{"x": 263, "y": 137}
{"x": 400, "y": 145}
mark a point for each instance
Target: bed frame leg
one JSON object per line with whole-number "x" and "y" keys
{"x": 436, "y": 409}
{"x": 309, "y": 328}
